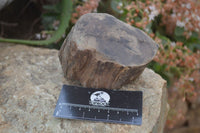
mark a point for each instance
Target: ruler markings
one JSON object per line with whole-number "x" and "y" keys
{"x": 99, "y": 107}
{"x": 108, "y": 119}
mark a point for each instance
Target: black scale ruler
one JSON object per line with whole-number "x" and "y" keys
{"x": 104, "y": 105}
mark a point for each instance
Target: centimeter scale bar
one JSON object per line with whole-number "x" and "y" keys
{"x": 98, "y": 107}
{"x": 123, "y": 107}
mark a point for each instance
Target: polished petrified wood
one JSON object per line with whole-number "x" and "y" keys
{"x": 104, "y": 52}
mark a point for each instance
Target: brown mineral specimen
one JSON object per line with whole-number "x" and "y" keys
{"x": 104, "y": 52}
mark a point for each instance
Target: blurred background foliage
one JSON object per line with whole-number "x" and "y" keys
{"x": 173, "y": 24}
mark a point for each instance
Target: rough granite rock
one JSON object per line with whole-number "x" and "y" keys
{"x": 104, "y": 52}
{"x": 30, "y": 83}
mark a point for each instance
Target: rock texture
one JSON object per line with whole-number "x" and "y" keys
{"x": 30, "y": 83}
{"x": 104, "y": 52}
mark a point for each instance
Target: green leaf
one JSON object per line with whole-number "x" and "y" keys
{"x": 161, "y": 69}
{"x": 47, "y": 21}
{"x": 149, "y": 26}
{"x": 137, "y": 19}
{"x": 193, "y": 43}
{"x": 180, "y": 39}
{"x": 164, "y": 39}
{"x": 179, "y": 31}
{"x": 178, "y": 34}
{"x": 193, "y": 46}
{"x": 114, "y": 4}
{"x": 53, "y": 8}
{"x": 175, "y": 71}
{"x": 195, "y": 35}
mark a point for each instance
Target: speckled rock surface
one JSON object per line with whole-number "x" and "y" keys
{"x": 104, "y": 52}
{"x": 30, "y": 83}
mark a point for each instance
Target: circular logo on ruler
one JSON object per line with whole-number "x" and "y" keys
{"x": 99, "y": 98}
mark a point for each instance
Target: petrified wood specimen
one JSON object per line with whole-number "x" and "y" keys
{"x": 104, "y": 52}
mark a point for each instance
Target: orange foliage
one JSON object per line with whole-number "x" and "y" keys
{"x": 87, "y": 7}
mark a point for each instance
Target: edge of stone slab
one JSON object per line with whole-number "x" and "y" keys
{"x": 159, "y": 127}
{"x": 8, "y": 45}
{"x": 164, "y": 107}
